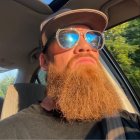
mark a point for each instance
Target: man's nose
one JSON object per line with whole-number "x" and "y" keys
{"x": 83, "y": 46}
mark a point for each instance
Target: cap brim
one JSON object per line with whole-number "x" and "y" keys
{"x": 95, "y": 19}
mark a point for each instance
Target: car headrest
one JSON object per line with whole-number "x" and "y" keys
{"x": 29, "y": 94}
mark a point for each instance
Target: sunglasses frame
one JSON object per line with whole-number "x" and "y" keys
{"x": 79, "y": 33}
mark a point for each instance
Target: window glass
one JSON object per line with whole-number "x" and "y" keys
{"x": 123, "y": 42}
{"x": 41, "y": 77}
{"x": 6, "y": 78}
{"x": 47, "y": 1}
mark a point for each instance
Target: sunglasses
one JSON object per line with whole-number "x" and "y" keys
{"x": 69, "y": 38}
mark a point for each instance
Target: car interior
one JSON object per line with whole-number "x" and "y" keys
{"x": 20, "y": 48}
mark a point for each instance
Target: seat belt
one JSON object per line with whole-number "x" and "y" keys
{"x": 115, "y": 128}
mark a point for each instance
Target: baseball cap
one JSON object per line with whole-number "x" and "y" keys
{"x": 94, "y": 19}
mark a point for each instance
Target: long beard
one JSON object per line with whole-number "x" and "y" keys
{"x": 83, "y": 94}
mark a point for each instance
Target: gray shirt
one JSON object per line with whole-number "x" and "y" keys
{"x": 36, "y": 123}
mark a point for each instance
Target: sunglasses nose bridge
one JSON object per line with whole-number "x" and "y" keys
{"x": 81, "y": 34}
{"x": 82, "y": 45}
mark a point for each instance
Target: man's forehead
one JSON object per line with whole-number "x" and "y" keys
{"x": 78, "y": 27}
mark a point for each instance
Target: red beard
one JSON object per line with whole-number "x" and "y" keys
{"x": 84, "y": 94}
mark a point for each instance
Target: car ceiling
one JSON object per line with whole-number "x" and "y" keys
{"x": 20, "y": 25}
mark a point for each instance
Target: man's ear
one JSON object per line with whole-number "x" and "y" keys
{"x": 43, "y": 60}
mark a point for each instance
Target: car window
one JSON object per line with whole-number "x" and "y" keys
{"x": 40, "y": 78}
{"x": 123, "y": 42}
{"x": 6, "y": 78}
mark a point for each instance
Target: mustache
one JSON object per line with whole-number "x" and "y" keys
{"x": 79, "y": 56}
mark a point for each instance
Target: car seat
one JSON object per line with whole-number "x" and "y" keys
{"x": 20, "y": 96}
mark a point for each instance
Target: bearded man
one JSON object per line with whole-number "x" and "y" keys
{"x": 80, "y": 97}
{"x": 76, "y": 82}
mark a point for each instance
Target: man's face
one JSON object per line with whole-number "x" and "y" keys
{"x": 77, "y": 83}
{"x": 60, "y": 58}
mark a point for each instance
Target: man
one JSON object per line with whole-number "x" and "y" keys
{"x": 81, "y": 102}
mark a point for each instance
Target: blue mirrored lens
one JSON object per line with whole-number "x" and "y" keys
{"x": 94, "y": 39}
{"x": 68, "y": 38}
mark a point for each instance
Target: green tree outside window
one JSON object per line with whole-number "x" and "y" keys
{"x": 123, "y": 42}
